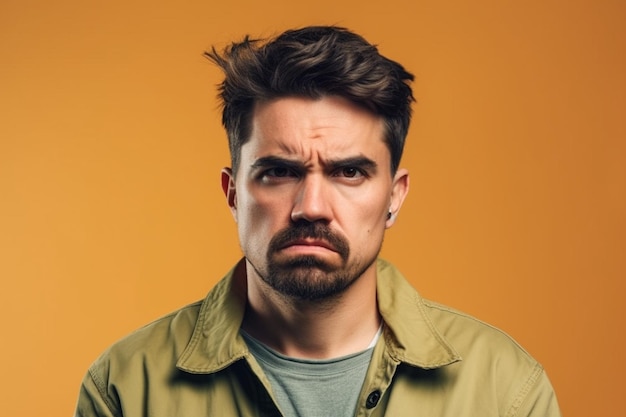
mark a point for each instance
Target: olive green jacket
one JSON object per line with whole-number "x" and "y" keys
{"x": 432, "y": 361}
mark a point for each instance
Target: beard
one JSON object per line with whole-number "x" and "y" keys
{"x": 309, "y": 277}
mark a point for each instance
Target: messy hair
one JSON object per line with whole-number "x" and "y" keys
{"x": 312, "y": 62}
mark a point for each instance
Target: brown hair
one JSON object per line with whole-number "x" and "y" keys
{"x": 312, "y": 62}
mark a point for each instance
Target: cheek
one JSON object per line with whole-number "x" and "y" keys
{"x": 367, "y": 218}
{"x": 364, "y": 224}
{"x": 365, "y": 207}
{"x": 258, "y": 216}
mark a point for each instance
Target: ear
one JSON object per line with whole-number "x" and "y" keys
{"x": 230, "y": 192}
{"x": 399, "y": 190}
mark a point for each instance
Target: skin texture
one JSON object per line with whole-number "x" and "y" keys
{"x": 311, "y": 200}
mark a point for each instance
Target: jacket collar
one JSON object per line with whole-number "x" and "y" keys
{"x": 215, "y": 342}
{"x": 410, "y": 335}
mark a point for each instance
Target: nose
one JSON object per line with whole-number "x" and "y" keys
{"x": 312, "y": 201}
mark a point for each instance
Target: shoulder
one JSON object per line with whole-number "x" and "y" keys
{"x": 410, "y": 314}
{"x": 164, "y": 338}
{"x": 469, "y": 334}
{"x": 479, "y": 361}
{"x": 488, "y": 353}
{"x": 491, "y": 356}
{"x": 147, "y": 354}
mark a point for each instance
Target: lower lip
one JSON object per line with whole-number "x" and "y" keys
{"x": 312, "y": 249}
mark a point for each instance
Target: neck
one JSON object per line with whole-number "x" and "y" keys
{"x": 324, "y": 329}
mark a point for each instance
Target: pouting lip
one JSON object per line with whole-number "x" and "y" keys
{"x": 309, "y": 242}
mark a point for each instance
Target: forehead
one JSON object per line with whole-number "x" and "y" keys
{"x": 326, "y": 126}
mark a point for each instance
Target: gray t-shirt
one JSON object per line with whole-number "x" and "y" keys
{"x": 313, "y": 388}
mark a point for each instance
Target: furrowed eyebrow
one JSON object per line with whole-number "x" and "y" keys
{"x": 274, "y": 161}
{"x": 360, "y": 162}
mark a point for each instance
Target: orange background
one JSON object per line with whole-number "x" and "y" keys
{"x": 111, "y": 212}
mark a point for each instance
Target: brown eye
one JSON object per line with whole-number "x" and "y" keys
{"x": 350, "y": 172}
{"x": 278, "y": 172}
{"x": 278, "y": 175}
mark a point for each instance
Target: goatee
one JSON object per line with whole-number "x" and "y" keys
{"x": 310, "y": 277}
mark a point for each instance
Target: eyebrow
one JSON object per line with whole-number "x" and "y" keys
{"x": 272, "y": 161}
{"x": 361, "y": 162}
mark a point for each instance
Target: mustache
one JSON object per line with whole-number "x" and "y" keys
{"x": 316, "y": 230}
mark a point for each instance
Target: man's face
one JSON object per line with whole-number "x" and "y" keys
{"x": 312, "y": 195}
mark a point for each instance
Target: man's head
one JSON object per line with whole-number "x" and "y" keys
{"x": 312, "y": 62}
{"x": 316, "y": 120}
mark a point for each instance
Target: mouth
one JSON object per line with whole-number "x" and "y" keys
{"x": 308, "y": 244}
{"x": 309, "y": 240}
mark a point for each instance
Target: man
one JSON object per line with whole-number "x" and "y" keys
{"x": 310, "y": 322}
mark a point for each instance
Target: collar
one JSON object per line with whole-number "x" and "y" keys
{"x": 409, "y": 333}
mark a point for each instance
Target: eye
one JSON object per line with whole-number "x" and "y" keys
{"x": 349, "y": 172}
{"x": 279, "y": 172}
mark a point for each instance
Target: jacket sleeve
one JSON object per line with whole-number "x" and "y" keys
{"x": 93, "y": 401}
{"x": 539, "y": 401}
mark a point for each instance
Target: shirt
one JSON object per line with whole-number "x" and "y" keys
{"x": 431, "y": 361}
{"x": 313, "y": 387}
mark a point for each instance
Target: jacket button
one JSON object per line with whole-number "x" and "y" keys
{"x": 372, "y": 399}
